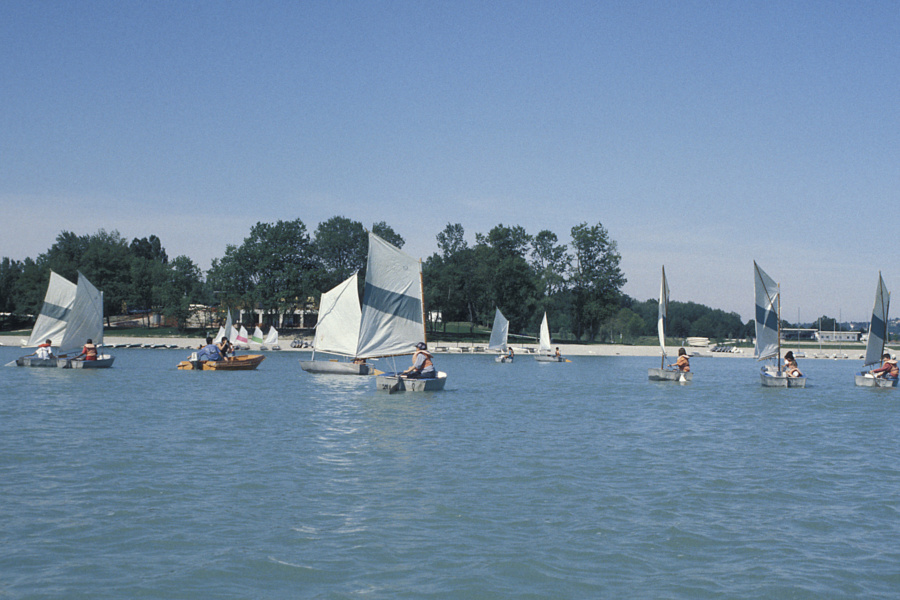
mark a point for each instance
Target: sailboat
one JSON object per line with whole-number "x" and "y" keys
{"x": 393, "y": 314}
{"x": 499, "y": 337}
{"x": 545, "y": 352}
{"x": 71, "y": 315}
{"x": 272, "y": 339}
{"x": 877, "y": 336}
{"x": 662, "y": 373}
{"x": 337, "y": 331}
{"x": 768, "y": 331}
{"x": 257, "y": 336}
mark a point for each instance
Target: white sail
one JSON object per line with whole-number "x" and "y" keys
{"x": 878, "y": 324}
{"x": 229, "y": 329}
{"x": 544, "y": 345}
{"x": 219, "y": 335}
{"x": 242, "y": 336}
{"x": 272, "y": 336}
{"x": 85, "y": 320}
{"x": 663, "y": 309}
{"x": 766, "y": 314}
{"x": 257, "y": 336}
{"x": 337, "y": 331}
{"x": 51, "y": 322}
{"x": 393, "y": 319}
{"x": 499, "y": 332}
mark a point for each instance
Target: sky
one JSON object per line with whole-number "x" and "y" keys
{"x": 702, "y": 135}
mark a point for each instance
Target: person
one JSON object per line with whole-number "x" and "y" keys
{"x": 44, "y": 350}
{"x": 359, "y": 361}
{"x": 226, "y": 350}
{"x": 89, "y": 352}
{"x": 790, "y": 365}
{"x": 509, "y": 353}
{"x": 558, "y": 355}
{"x": 683, "y": 363}
{"x": 889, "y": 369}
{"x": 209, "y": 352}
{"x": 423, "y": 365}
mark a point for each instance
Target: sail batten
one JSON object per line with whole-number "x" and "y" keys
{"x": 499, "y": 332}
{"x": 392, "y": 311}
{"x": 766, "y": 314}
{"x": 878, "y": 324}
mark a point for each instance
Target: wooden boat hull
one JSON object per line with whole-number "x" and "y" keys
{"x": 245, "y": 362}
{"x": 867, "y": 380}
{"x": 393, "y": 383}
{"x": 669, "y": 375}
{"x": 335, "y": 367}
{"x": 33, "y": 361}
{"x": 549, "y": 358}
{"x": 105, "y": 361}
{"x": 770, "y": 377}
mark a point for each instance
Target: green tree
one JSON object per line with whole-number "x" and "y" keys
{"x": 341, "y": 246}
{"x": 596, "y": 278}
{"x": 551, "y": 261}
{"x": 181, "y": 287}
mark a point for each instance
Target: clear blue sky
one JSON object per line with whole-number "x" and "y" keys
{"x": 702, "y": 135}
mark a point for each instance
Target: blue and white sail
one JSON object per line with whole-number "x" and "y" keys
{"x": 499, "y": 332}
{"x": 663, "y": 309}
{"x": 766, "y": 315}
{"x": 337, "y": 331}
{"x": 393, "y": 317}
{"x": 51, "y": 322}
{"x": 878, "y": 325}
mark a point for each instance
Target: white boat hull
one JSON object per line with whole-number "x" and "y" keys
{"x": 335, "y": 367}
{"x": 770, "y": 377}
{"x": 33, "y": 361}
{"x": 504, "y": 359}
{"x": 669, "y": 375}
{"x": 867, "y": 380}
{"x": 104, "y": 361}
{"x": 548, "y": 358}
{"x": 393, "y": 383}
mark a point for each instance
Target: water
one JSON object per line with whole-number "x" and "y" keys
{"x": 528, "y": 480}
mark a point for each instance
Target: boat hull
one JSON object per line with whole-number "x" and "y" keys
{"x": 548, "y": 358}
{"x": 770, "y": 377}
{"x": 335, "y": 367}
{"x": 504, "y": 359}
{"x": 669, "y": 375}
{"x": 105, "y": 361}
{"x": 393, "y": 383}
{"x": 33, "y": 361}
{"x": 867, "y": 380}
{"x": 246, "y": 362}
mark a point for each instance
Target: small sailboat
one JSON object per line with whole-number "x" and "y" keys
{"x": 257, "y": 337}
{"x": 877, "y": 336}
{"x": 662, "y": 373}
{"x": 272, "y": 339}
{"x": 499, "y": 337}
{"x": 337, "y": 332}
{"x": 393, "y": 314}
{"x": 768, "y": 332}
{"x": 71, "y": 315}
{"x": 545, "y": 352}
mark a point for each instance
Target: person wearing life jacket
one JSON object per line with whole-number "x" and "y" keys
{"x": 683, "y": 363}
{"x": 423, "y": 365}
{"x": 44, "y": 350}
{"x": 889, "y": 369}
{"x": 790, "y": 365}
{"x": 89, "y": 352}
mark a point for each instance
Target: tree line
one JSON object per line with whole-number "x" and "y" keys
{"x": 282, "y": 267}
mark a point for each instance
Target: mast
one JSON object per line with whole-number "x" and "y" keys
{"x": 422, "y": 296}
{"x": 778, "y": 364}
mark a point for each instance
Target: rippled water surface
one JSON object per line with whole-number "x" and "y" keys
{"x": 526, "y": 480}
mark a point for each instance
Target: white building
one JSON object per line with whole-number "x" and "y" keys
{"x": 838, "y": 336}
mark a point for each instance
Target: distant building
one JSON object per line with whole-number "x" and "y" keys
{"x": 838, "y": 336}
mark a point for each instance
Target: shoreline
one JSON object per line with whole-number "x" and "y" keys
{"x": 852, "y": 353}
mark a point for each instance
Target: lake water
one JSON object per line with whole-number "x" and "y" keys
{"x": 528, "y": 480}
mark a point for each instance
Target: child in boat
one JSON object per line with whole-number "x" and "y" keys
{"x": 89, "y": 352}
{"x": 889, "y": 369}
{"x": 44, "y": 350}
{"x": 423, "y": 366}
{"x": 790, "y": 365}
{"x": 683, "y": 363}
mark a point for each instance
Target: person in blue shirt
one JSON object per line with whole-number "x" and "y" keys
{"x": 423, "y": 365}
{"x": 209, "y": 352}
